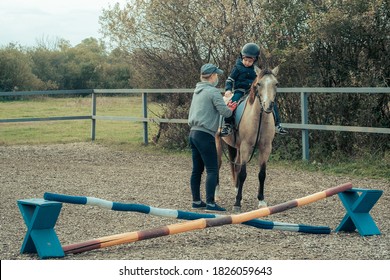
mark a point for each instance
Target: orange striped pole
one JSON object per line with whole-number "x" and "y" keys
{"x": 130, "y": 237}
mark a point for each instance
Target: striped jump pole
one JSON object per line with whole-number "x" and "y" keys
{"x": 179, "y": 214}
{"x": 203, "y": 223}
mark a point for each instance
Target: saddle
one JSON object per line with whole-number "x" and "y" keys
{"x": 238, "y": 112}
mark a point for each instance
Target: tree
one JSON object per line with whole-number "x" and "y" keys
{"x": 115, "y": 71}
{"x": 350, "y": 42}
{"x": 350, "y": 47}
{"x": 318, "y": 43}
{"x": 15, "y": 70}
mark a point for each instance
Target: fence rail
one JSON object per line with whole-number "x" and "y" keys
{"x": 304, "y": 126}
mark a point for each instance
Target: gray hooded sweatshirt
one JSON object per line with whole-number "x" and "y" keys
{"x": 206, "y": 107}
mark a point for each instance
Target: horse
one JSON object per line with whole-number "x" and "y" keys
{"x": 256, "y": 129}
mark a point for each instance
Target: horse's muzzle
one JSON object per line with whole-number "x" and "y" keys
{"x": 268, "y": 109}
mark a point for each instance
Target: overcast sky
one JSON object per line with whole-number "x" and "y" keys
{"x": 28, "y": 21}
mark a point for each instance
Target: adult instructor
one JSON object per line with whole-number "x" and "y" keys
{"x": 206, "y": 107}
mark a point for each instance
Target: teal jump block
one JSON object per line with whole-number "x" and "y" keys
{"x": 358, "y": 203}
{"x": 40, "y": 217}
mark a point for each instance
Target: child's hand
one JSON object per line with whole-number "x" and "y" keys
{"x": 228, "y": 94}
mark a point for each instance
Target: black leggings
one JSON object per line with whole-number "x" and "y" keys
{"x": 204, "y": 154}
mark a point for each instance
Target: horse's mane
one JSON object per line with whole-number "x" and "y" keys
{"x": 260, "y": 74}
{"x": 264, "y": 72}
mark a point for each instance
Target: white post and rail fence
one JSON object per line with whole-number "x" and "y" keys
{"x": 304, "y": 126}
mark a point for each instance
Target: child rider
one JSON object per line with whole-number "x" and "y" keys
{"x": 241, "y": 79}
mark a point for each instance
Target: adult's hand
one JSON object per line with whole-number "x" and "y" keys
{"x": 232, "y": 105}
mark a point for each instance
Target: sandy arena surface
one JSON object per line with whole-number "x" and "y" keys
{"x": 162, "y": 180}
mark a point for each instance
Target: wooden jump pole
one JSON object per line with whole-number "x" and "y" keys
{"x": 203, "y": 223}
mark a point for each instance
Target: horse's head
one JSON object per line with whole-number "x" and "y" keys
{"x": 264, "y": 86}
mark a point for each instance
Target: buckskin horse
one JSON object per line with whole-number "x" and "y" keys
{"x": 256, "y": 129}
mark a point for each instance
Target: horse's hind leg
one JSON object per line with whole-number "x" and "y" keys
{"x": 232, "y": 158}
{"x": 218, "y": 143}
{"x": 262, "y": 175}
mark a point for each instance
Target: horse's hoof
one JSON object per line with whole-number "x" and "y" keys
{"x": 236, "y": 209}
{"x": 262, "y": 204}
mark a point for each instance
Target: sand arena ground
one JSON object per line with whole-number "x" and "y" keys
{"x": 162, "y": 180}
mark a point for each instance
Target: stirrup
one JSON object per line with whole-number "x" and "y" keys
{"x": 226, "y": 130}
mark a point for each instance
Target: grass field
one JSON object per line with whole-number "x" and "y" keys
{"x": 129, "y": 135}
{"x": 118, "y": 132}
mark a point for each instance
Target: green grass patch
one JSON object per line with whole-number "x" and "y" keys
{"x": 47, "y": 132}
{"x": 369, "y": 167}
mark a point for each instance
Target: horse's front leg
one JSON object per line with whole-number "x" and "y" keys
{"x": 264, "y": 153}
{"x": 260, "y": 195}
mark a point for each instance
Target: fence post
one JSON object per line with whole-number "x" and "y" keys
{"x": 145, "y": 115}
{"x": 305, "y": 120}
{"x": 93, "y": 125}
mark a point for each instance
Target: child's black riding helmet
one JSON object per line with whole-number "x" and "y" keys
{"x": 250, "y": 50}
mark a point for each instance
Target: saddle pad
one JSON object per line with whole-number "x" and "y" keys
{"x": 237, "y": 113}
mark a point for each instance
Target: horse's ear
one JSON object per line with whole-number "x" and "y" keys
{"x": 275, "y": 70}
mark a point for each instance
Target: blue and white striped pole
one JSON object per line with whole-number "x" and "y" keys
{"x": 179, "y": 214}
